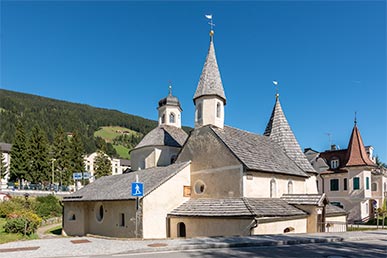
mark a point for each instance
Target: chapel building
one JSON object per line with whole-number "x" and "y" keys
{"x": 217, "y": 181}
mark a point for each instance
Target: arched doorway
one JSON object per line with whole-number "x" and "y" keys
{"x": 181, "y": 229}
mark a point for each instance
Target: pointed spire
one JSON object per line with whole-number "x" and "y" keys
{"x": 356, "y": 153}
{"x": 279, "y": 131}
{"x": 210, "y": 83}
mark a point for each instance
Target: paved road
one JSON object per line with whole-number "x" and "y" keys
{"x": 355, "y": 249}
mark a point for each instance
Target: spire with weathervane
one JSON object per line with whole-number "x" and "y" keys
{"x": 356, "y": 153}
{"x": 279, "y": 131}
{"x": 209, "y": 98}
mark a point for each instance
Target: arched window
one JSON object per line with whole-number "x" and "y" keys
{"x": 273, "y": 188}
{"x": 172, "y": 118}
{"x": 163, "y": 119}
{"x": 218, "y": 110}
{"x": 181, "y": 229}
{"x": 290, "y": 187}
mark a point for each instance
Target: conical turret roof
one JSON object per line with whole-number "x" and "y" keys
{"x": 279, "y": 131}
{"x": 356, "y": 153}
{"x": 210, "y": 83}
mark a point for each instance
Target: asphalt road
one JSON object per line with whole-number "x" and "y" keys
{"x": 356, "y": 249}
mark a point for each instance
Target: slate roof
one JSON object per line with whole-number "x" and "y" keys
{"x": 5, "y": 147}
{"x": 213, "y": 207}
{"x": 236, "y": 207}
{"x": 279, "y": 131}
{"x": 356, "y": 154}
{"x": 304, "y": 199}
{"x": 210, "y": 82}
{"x": 164, "y": 135}
{"x": 334, "y": 210}
{"x": 257, "y": 152}
{"x": 273, "y": 207}
{"x": 118, "y": 187}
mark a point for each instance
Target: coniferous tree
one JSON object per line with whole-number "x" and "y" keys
{"x": 39, "y": 167}
{"x": 3, "y": 165}
{"x": 59, "y": 155}
{"x": 102, "y": 165}
{"x": 19, "y": 161}
{"x": 75, "y": 157}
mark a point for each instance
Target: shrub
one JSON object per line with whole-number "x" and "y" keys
{"x": 23, "y": 222}
{"x": 48, "y": 206}
{"x": 13, "y": 205}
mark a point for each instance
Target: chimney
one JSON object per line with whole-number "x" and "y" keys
{"x": 333, "y": 147}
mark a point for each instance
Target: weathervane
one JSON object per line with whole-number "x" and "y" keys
{"x": 212, "y": 25}
{"x": 276, "y": 88}
{"x": 355, "y": 118}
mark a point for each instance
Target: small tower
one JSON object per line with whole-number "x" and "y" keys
{"x": 209, "y": 98}
{"x": 170, "y": 110}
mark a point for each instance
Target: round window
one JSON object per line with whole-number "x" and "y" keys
{"x": 200, "y": 187}
{"x": 99, "y": 212}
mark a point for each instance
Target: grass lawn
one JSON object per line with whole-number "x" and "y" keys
{"x": 108, "y": 133}
{"x": 9, "y": 237}
{"x": 122, "y": 151}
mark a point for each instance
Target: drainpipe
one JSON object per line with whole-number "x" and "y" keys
{"x": 322, "y": 181}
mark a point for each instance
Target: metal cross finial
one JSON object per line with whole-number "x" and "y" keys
{"x": 212, "y": 25}
{"x": 170, "y": 88}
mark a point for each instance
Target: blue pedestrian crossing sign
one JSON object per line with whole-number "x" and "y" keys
{"x": 137, "y": 189}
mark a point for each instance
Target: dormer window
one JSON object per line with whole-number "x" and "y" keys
{"x": 335, "y": 163}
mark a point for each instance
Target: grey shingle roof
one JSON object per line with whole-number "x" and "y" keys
{"x": 272, "y": 207}
{"x": 257, "y": 152}
{"x": 279, "y": 131}
{"x": 210, "y": 82}
{"x": 164, "y": 135}
{"x": 334, "y": 210}
{"x": 213, "y": 207}
{"x": 118, "y": 187}
{"x": 304, "y": 199}
{"x": 236, "y": 207}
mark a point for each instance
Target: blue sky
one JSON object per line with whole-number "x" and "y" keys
{"x": 329, "y": 58}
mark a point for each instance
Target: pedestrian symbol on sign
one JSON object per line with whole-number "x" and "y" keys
{"x": 137, "y": 189}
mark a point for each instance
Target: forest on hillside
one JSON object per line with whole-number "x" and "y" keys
{"x": 49, "y": 114}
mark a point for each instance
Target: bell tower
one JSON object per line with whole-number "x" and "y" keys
{"x": 209, "y": 98}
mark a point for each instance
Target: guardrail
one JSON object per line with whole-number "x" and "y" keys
{"x": 333, "y": 226}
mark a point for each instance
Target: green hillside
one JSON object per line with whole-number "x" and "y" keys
{"x": 122, "y": 139}
{"x": 86, "y": 120}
